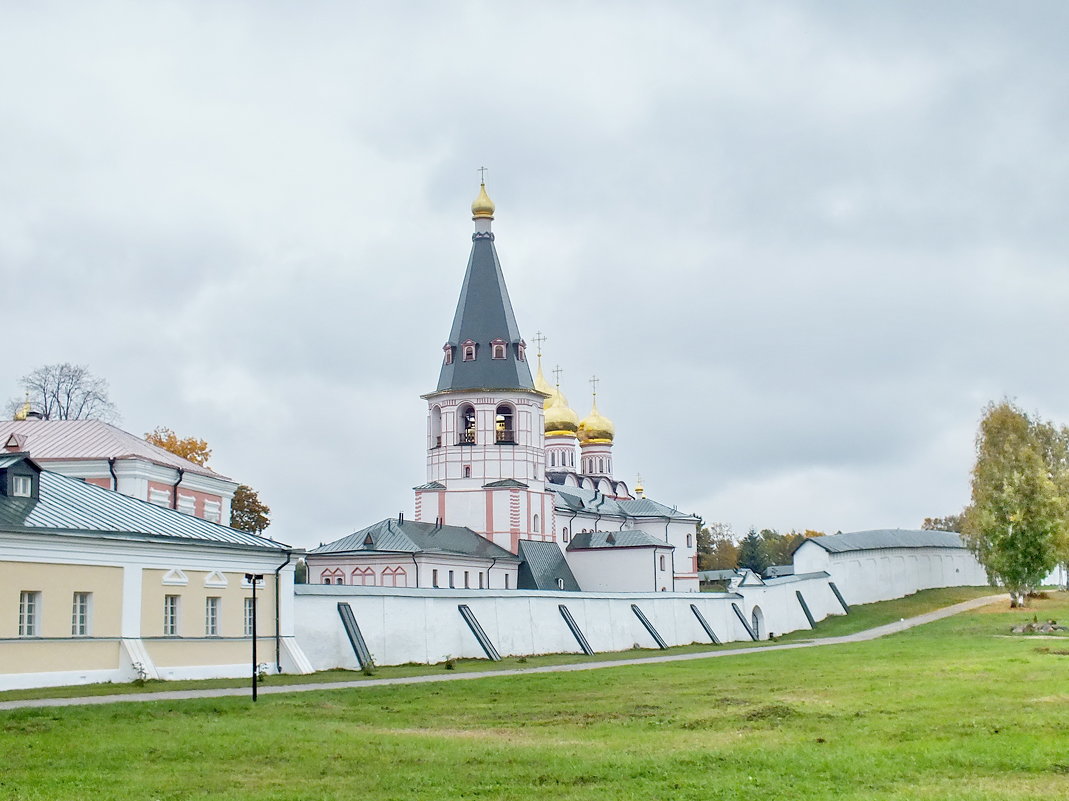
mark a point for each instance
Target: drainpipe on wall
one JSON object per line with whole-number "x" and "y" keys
{"x": 415, "y": 568}
{"x": 671, "y": 556}
{"x": 114, "y": 478}
{"x": 278, "y": 634}
{"x": 492, "y": 563}
{"x": 174, "y": 489}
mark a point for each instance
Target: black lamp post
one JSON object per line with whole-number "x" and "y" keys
{"x": 253, "y": 578}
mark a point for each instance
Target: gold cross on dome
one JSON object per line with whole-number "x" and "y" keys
{"x": 482, "y": 175}
{"x": 594, "y": 380}
{"x": 556, "y": 374}
{"x": 538, "y": 339}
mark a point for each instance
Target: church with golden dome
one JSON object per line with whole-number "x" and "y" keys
{"x": 519, "y": 491}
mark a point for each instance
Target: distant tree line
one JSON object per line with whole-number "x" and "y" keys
{"x": 718, "y": 548}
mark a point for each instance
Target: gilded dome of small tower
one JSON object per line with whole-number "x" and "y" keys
{"x": 482, "y": 206}
{"x": 561, "y": 419}
{"x": 595, "y": 428}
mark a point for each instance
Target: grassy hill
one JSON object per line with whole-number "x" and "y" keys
{"x": 955, "y": 709}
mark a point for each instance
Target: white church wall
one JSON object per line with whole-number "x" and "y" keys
{"x": 620, "y": 569}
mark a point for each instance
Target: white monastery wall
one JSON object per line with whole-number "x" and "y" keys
{"x": 425, "y": 626}
{"x": 878, "y": 575}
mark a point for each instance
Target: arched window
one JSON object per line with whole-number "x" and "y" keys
{"x": 467, "y": 350}
{"x": 534, "y": 525}
{"x": 467, "y": 471}
{"x": 567, "y": 536}
{"x": 662, "y": 562}
{"x": 332, "y": 576}
{"x": 690, "y": 540}
{"x": 560, "y": 584}
{"x": 448, "y": 350}
{"x": 436, "y": 427}
{"x": 503, "y": 430}
{"x": 497, "y": 349}
{"x": 521, "y": 351}
{"x": 466, "y": 425}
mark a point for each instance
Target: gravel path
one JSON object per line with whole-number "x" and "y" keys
{"x": 175, "y": 695}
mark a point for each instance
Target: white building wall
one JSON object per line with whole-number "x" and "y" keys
{"x": 621, "y": 569}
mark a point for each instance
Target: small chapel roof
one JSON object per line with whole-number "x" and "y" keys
{"x": 628, "y": 538}
{"x": 412, "y": 536}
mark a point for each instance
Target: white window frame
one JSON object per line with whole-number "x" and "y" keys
{"x": 172, "y": 610}
{"x": 30, "y": 613}
{"x": 81, "y": 614}
{"x": 213, "y": 511}
{"x": 211, "y": 615}
{"x": 159, "y": 497}
{"x": 22, "y": 486}
{"x": 187, "y": 504}
{"x": 250, "y": 605}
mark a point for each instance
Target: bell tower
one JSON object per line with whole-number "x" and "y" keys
{"x": 485, "y": 443}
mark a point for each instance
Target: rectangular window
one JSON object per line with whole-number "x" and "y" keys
{"x": 29, "y": 614}
{"x": 466, "y": 582}
{"x": 211, "y": 616}
{"x": 170, "y": 615}
{"x": 159, "y": 497}
{"x": 480, "y": 579}
{"x": 434, "y": 577}
{"x": 212, "y": 511}
{"x": 187, "y": 504}
{"x": 451, "y": 585}
{"x": 22, "y": 486}
{"x": 80, "y": 614}
{"x": 250, "y": 607}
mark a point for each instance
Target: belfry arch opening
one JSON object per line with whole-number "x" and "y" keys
{"x": 436, "y": 427}
{"x": 504, "y": 424}
{"x": 466, "y": 425}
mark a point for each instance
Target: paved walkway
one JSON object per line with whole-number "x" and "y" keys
{"x": 173, "y": 695}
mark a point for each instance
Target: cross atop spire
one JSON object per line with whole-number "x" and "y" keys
{"x": 556, "y": 374}
{"x": 538, "y": 339}
{"x": 482, "y": 175}
{"x": 594, "y": 380}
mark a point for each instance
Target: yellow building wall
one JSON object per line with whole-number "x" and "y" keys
{"x": 57, "y": 584}
{"x": 193, "y": 597}
{"x": 43, "y": 656}
{"x": 179, "y": 653}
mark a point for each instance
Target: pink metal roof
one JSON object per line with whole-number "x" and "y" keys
{"x": 56, "y": 440}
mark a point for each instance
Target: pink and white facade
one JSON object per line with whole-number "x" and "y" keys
{"x": 101, "y": 454}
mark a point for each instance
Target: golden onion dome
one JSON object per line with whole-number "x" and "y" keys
{"x": 561, "y": 419}
{"x": 542, "y": 385}
{"x": 596, "y": 429}
{"x": 483, "y": 206}
{"x": 23, "y": 412}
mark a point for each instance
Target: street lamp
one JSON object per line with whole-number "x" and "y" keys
{"x": 253, "y": 578}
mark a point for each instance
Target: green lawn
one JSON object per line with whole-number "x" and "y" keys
{"x": 952, "y": 710}
{"x": 861, "y": 617}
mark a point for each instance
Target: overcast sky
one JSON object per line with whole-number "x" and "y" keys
{"x": 801, "y": 244}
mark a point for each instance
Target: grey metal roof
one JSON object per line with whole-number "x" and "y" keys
{"x": 886, "y": 538}
{"x": 510, "y": 483}
{"x": 412, "y": 536}
{"x": 68, "y": 505}
{"x": 484, "y": 313}
{"x": 580, "y": 499}
{"x": 60, "y": 440}
{"x": 543, "y": 563}
{"x": 433, "y": 485}
{"x": 775, "y": 571}
{"x": 717, "y": 575}
{"x": 628, "y": 538}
